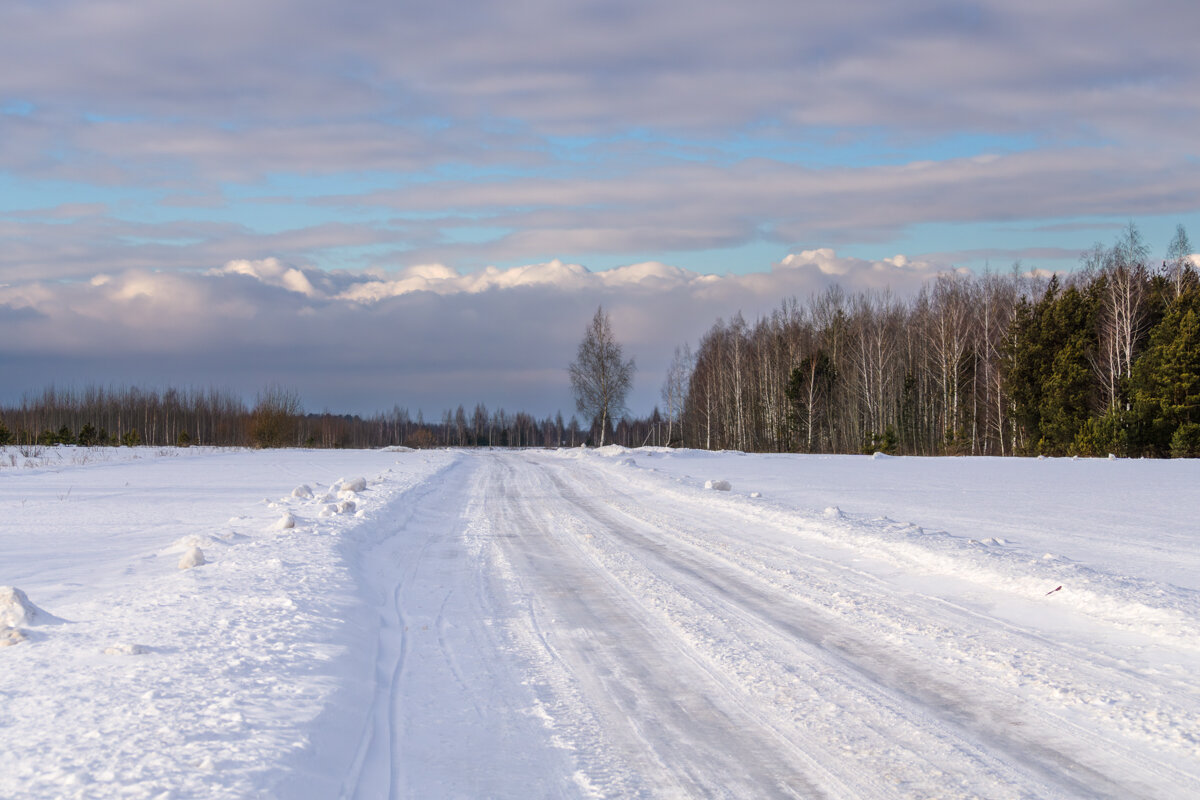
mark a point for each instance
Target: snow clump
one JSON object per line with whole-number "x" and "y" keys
{"x": 352, "y": 484}
{"x": 285, "y": 522}
{"x": 16, "y": 609}
{"x": 11, "y": 636}
{"x": 192, "y": 557}
{"x": 720, "y": 486}
{"x": 303, "y": 491}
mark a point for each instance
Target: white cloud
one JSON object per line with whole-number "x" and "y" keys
{"x": 272, "y": 272}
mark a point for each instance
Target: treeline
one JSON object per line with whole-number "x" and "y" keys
{"x": 99, "y": 416}
{"x": 1105, "y": 360}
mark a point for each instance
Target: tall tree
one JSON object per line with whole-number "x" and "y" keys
{"x": 600, "y": 376}
{"x": 1167, "y": 376}
{"x": 1177, "y": 258}
{"x": 674, "y": 389}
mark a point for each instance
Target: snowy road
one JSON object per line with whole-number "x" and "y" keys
{"x": 583, "y": 624}
{"x": 680, "y": 643}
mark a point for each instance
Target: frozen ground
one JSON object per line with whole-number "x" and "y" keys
{"x": 597, "y": 624}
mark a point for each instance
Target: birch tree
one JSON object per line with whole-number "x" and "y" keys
{"x": 600, "y": 376}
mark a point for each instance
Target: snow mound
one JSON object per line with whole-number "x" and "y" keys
{"x": 719, "y": 486}
{"x": 11, "y": 636}
{"x": 351, "y": 484}
{"x": 193, "y": 557}
{"x": 16, "y": 609}
{"x": 285, "y": 522}
{"x": 303, "y": 491}
{"x": 123, "y": 649}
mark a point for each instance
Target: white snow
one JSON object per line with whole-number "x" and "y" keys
{"x": 595, "y": 623}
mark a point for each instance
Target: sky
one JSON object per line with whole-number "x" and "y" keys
{"x": 421, "y": 204}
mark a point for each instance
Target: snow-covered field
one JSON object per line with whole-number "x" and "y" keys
{"x": 596, "y": 624}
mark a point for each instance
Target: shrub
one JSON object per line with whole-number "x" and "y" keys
{"x": 1099, "y": 436}
{"x": 88, "y": 435}
{"x": 1185, "y": 443}
{"x": 275, "y": 420}
{"x": 421, "y": 439}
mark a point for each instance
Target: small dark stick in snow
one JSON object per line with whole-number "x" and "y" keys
{"x": 1052, "y": 591}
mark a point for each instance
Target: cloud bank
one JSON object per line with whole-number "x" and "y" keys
{"x": 427, "y": 337}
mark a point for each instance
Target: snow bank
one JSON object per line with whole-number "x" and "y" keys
{"x": 193, "y": 557}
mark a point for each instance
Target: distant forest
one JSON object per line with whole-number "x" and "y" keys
{"x": 1103, "y": 360}
{"x": 98, "y": 416}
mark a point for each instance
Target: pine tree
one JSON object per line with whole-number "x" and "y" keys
{"x": 1167, "y": 376}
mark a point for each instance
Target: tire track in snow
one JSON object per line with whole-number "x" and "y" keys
{"x": 668, "y": 720}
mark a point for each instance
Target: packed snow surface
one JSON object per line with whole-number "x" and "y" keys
{"x": 596, "y": 624}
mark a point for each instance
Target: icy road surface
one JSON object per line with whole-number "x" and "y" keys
{"x": 598, "y": 624}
